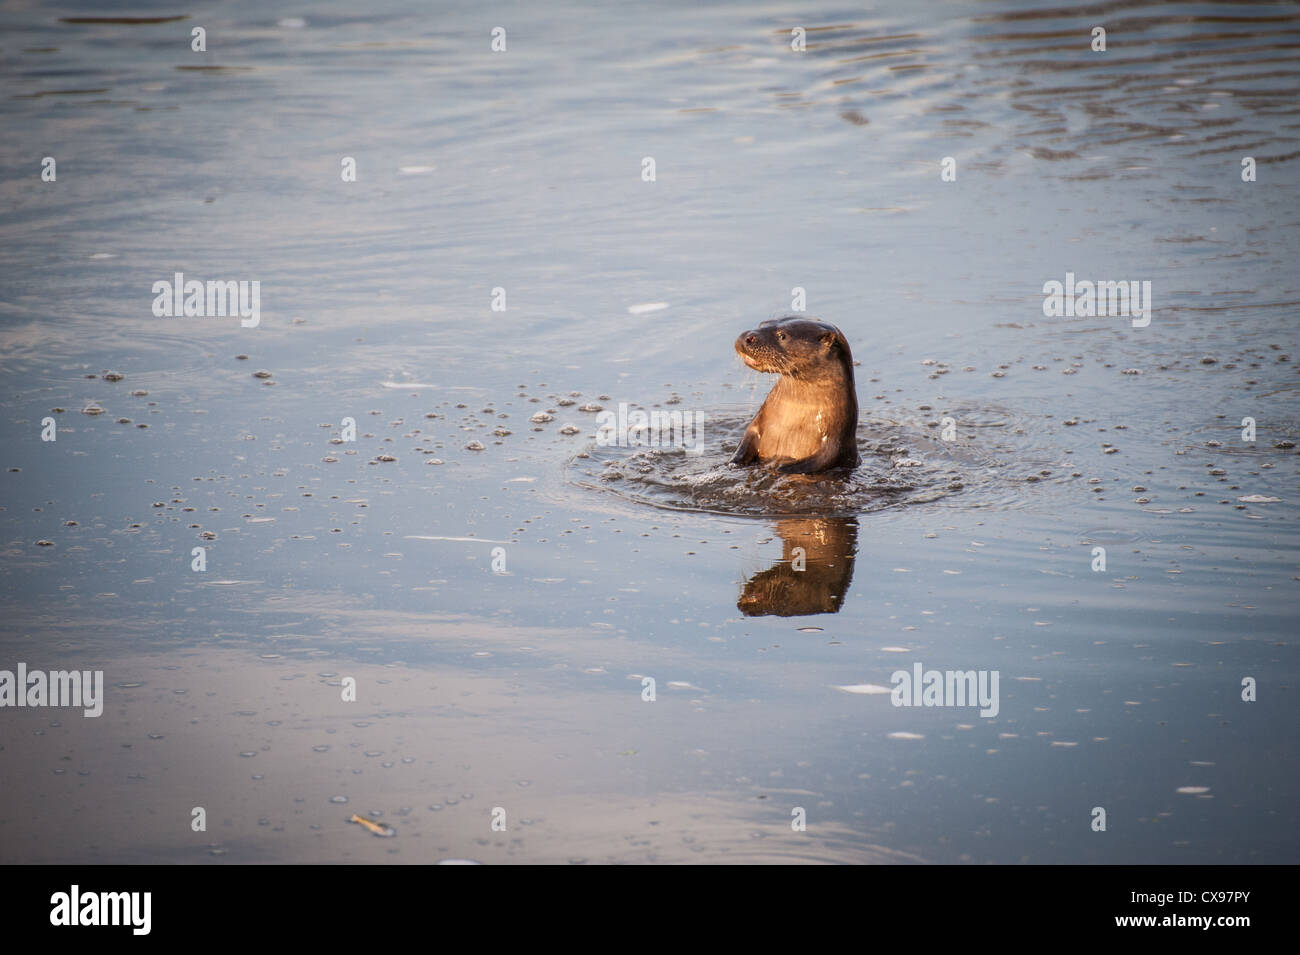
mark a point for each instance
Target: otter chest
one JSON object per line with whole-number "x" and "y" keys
{"x": 792, "y": 429}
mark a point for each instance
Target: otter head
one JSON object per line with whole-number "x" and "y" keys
{"x": 795, "y": 347}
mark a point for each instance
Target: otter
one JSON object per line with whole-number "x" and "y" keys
{"x": 809, "y": 422}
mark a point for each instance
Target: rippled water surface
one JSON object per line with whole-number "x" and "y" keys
{"x": 498, "y": 584}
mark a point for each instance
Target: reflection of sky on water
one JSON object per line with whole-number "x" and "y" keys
{"x": 774, "y": 170}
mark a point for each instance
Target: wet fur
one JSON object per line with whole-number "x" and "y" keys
{"x": 809, "y": 421}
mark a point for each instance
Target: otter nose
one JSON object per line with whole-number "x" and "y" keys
{"x": 751, "y": 339}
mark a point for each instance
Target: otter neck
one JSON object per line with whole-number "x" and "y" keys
{"x": 829, "y": 381}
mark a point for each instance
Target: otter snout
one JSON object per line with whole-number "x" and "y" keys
{"x": 746, "y": 342}
{"x": 749, "y": 347}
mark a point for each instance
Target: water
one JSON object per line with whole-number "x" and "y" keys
{"x": 512, "y": 679}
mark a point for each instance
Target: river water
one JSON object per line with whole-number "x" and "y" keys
{"x": 494, "y": 591}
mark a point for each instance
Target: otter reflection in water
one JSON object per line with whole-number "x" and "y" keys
{"x": 814, "y": 574}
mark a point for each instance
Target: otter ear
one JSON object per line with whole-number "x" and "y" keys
{"x": 828, "y": 340}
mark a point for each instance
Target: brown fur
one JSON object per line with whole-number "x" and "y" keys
{"x": 817, "y": 585}
{"x": 809, "y": 422}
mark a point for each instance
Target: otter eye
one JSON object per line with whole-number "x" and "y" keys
{"x": 780, "y": 336}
